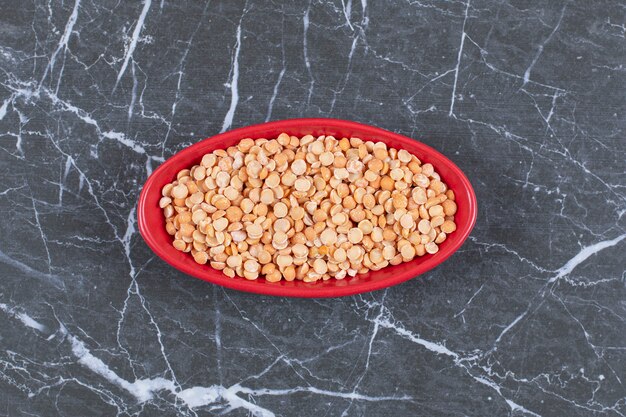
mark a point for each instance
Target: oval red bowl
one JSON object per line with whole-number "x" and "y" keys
{"x": 152, "y": 224}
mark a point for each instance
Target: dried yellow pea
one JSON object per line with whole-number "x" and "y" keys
{"x": 309, "y": 208}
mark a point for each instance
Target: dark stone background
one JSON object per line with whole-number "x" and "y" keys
{"x": 527, "y": 97}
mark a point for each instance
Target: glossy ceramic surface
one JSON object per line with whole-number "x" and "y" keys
{"x": 152, "y": 225}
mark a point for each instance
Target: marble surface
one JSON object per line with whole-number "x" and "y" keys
{"x": 527, "y": 97}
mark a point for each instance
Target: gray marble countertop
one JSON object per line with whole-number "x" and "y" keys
{"x": 527, "y": 319}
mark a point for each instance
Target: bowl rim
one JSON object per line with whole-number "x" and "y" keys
{"x": 301, "y": 290}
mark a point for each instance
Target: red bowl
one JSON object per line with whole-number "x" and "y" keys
{"x": 152, "y": 224}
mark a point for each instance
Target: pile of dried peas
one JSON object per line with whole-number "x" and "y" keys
{"x": 307, "y": 208}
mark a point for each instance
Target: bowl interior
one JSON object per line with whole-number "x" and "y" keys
{"x": 152, "y": 225}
